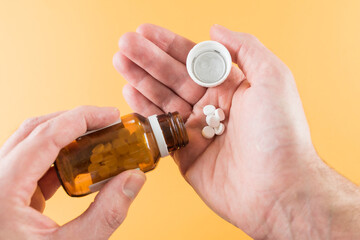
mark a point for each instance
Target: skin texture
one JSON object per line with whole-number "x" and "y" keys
{"x": 26, "y": 180}
{"x": 263, "y": 174}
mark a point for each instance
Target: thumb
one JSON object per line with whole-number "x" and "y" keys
{"x": 108, "y": 210}
{"x": 252, "y": 57}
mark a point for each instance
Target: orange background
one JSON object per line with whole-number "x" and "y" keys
{"x": 56, "y": 55}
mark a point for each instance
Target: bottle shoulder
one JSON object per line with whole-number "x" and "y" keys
{"x": 134, "y": 118}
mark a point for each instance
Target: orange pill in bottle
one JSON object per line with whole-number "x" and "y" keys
{"x": 87, "y": 163}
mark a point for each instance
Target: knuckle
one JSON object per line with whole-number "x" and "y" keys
{"x": 126, "y": 40}
{"x": 81, "y": 112}
{"x": 144, "y": 28}
{"x": 86, "y": 112}
{"x": 113, "y": 218}
{"x": 279, "y": 70}
{"x": 249, "y": 37}
{"x": 42, "y": 129}
{"x": 117, "y": 60}
{"x": 122, "y": 63}
{"x": 45, "y": 133}
{"x": 29, "y": 124}
{"x": 82, "y": 108}
{"x": 127, "y": 90}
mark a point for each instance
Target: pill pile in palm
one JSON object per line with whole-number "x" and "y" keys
{"x": 213, "y": 119}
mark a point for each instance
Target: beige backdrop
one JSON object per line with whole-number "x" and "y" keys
{"x": 56, "y": 55}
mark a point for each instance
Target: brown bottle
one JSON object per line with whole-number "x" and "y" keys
{"x": 91, "y": 160}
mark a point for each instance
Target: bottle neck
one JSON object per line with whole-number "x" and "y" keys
{"x": 174, "y": 131}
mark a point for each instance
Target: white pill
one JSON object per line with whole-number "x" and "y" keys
{"x": 219, "y": 113}
{"x": 208, "y": 109}
{"x": 220, "y": 129}
{"x": 212, "y": 121}
{"x": 208, "y": 132}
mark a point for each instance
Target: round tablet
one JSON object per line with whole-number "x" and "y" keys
{"x": 208, "y": 132}
{"x": 220, "y": 129}
{"x": 208, "y": 109}
{"x": 212, "y": 121}
{"x": 219, "y": 113}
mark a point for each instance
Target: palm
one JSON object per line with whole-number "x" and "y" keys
{"x": 249, "y": 162}
{"x": 233, "y": 164}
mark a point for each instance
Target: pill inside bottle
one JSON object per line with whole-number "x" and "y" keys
{"x": 134, "y": 142}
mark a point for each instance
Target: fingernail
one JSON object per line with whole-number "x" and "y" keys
{"x": 133, "y": 184}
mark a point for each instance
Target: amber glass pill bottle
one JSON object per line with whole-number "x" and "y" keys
{"x": 87, "y": 163}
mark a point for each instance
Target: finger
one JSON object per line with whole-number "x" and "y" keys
{"x": 175, "y": 45}
{"x": 108, "y": 210}
{"x": 161, "y": 66}
{"x": 36, "y": 153}
{"x": 49, "y": 183}
{"x": 139, "y": 103}
{"x": 23, "y": 131}
{"x": 254, "y": 59}
{"x": 152, "y": 89}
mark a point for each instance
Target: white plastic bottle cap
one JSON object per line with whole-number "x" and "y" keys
{"x": 208, "y": 63}
{"x": 212, "y": 121}
{"x": 208, "y": 132}
{"x": 220, "y": 129}
{"x": 219, "y": 113}
{"x": 208, "y": 109}
{"x": 159, "y": 137}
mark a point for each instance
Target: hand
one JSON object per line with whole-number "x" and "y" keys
{"x": 263, "y": 174}
{"x": 26, "y": 180}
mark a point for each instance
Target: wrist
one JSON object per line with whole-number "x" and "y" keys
{"x": 321, "y": 205}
